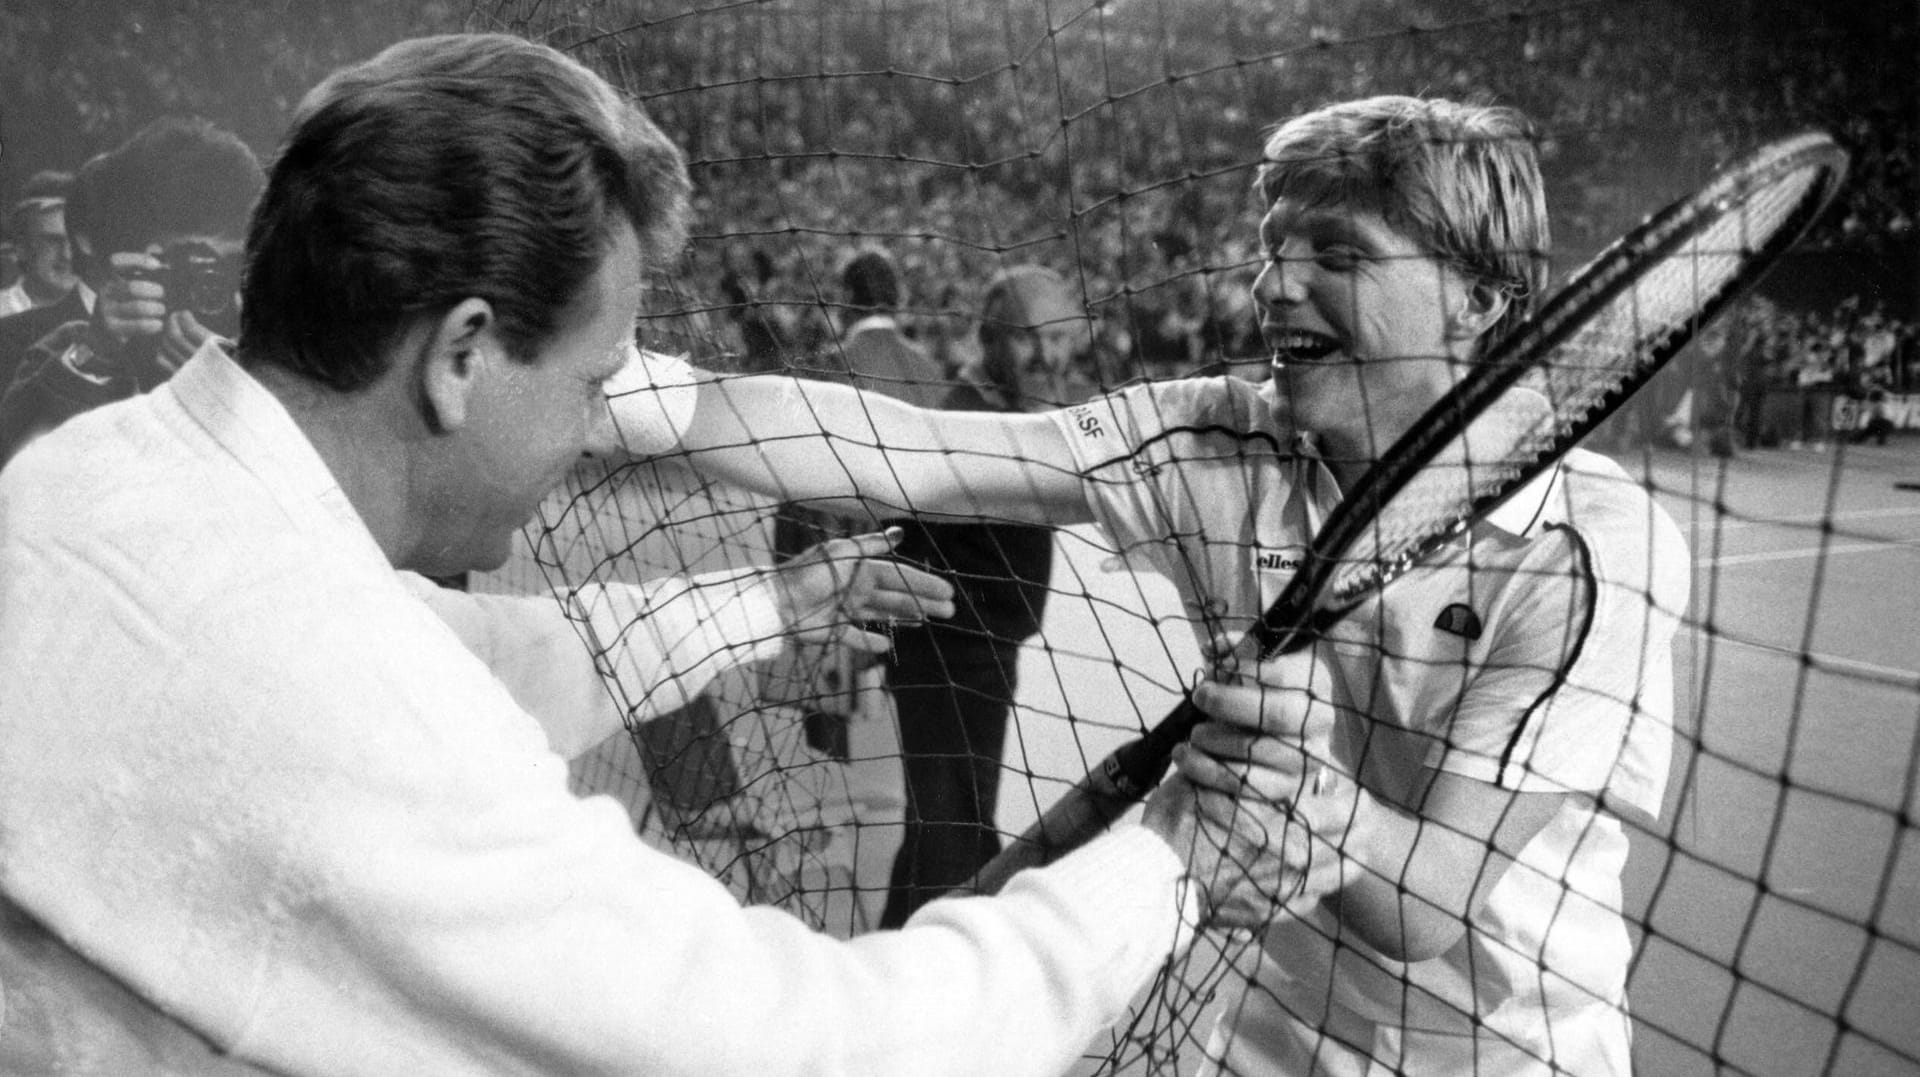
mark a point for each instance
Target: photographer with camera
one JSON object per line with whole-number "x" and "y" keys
{"x": 157, "y": 226}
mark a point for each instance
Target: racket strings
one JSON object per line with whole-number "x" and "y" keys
{"x": 1609, "y": 350}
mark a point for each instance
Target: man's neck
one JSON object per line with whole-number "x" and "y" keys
{"x": 1347, "y": 462}
{"x": 370, "y": 468}
{"x": 42, "y": 293}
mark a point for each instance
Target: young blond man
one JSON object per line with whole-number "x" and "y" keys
{"x": 1497, "y": 710}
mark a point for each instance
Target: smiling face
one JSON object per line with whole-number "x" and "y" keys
{"x": 1043, "y": 357}
{"x": 1367, "y": 327}
{"x": 1030, "y": 331}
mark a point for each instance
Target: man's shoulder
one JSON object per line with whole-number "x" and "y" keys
{"x": 881, "y": 336}
{"x": 171, "y": 528}
{"x": 893, "y": 363}
{"x": 1629, "y": 539}
{"x": 1601, "y": 496}
{"x": 23, "y": 329}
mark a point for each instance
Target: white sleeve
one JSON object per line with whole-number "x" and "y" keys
{"x": 652, "y": 399}
{"x": 378, "y": 869}
{"x": 1134, "y": 450}
{"x": 666, "y": 639}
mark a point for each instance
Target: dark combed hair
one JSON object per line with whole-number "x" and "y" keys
{"x": 448, "y": 168}
{"x": 872, "y": 281}
{"x": 179, "y": 175}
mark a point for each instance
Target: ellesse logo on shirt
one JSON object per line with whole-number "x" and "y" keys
{"x": 1279, "y": 559}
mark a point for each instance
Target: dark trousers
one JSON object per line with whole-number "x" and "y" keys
{"x": 953, "y": 702}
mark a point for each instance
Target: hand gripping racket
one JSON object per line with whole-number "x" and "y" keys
{"x": 1537, "y": 392}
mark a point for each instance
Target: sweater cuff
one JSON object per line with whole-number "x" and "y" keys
{"x": 676, "y": 635}
{"x": 1130, "y": 877}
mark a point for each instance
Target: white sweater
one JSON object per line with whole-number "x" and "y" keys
{"x": 317, "y": 812}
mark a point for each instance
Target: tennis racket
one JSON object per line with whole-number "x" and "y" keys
{"x": 1537, "y": 392}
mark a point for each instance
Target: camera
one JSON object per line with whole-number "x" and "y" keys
{"x": 199, "y": 279}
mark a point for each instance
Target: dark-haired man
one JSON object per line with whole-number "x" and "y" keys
{"x": 877, "y": 352}
{"x": 315, "y": 809}
{"x": 156, "y": 225}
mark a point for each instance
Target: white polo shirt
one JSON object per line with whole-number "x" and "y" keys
{"x": 1536, "y": 654}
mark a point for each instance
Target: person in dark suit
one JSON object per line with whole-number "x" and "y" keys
{"x": 954, "y": 683}
{"x": 877, "y": 352}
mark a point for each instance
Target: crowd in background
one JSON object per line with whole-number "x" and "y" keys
{"x": 1160, "y": 302}
{"x": 1798, "y": 362}
{"x": 1766, "y": 376}
{"x": 964, "y": 140}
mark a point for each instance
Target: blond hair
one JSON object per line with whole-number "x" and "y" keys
{"x": 1462, "y": 178}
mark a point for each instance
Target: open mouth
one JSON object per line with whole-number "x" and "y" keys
{"x": 1300, "y": 345}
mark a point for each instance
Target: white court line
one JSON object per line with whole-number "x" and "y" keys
{"x": 1694, "y": 523}
{"x": 1804, "y": 552}
{"x": 1900, "y": 678}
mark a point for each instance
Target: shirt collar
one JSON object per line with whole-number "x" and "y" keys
{"x": 1520, "y": 515}
{"x": 256, "y": 430}
{"x": 1526, "y": 509}
{"x": 872, "y": 321}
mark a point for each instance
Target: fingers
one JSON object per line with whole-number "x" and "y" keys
{"x": 864, "y": 640}
{"x": 1236, "y": 764}
{"x": 833, "y": 591}
{"x": 184, "y": 335}
{"x": 868, "y": 544}
{"x": 1274, "y": 710}
{"x": 133, "y": 309}
{"x": 1251, "y": 861}
{"x": 1255, "y": 856}
{"x": 1281, "y": 699}
{"x": 873, "y": 586}
{"x": 904, "y": 592}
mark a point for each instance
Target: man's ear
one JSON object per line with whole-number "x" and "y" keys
{"x": 458, "y": 350}
{"x": 1480, "y": 308}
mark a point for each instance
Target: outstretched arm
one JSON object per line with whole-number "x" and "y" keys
{"x": 857, "y": 452}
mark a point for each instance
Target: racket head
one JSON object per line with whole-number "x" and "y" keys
{"x": 1558, "y": 375}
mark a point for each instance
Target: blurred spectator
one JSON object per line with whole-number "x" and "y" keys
{"x": 874, "y": 353}
{"x": 21, "y": 329}
{"x": 1715, "y": 385}
{"x": 1876, "y": 418}
{"x": 1168, "y": 318}
{"x": 763, "y": 342}
{"x": 875, "y": 350}
{"x": 1799, "y": 372}
{"x": 954, "y": 681}
{"x": 38, "y": 227}
{"x": 157, "y": 226}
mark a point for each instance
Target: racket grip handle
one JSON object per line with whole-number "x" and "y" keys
{"x": 1084, "y": 812}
